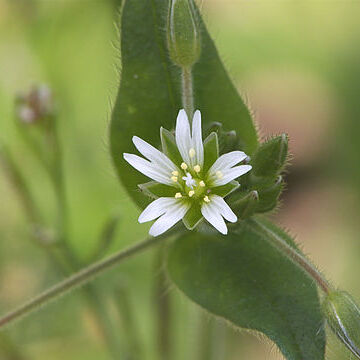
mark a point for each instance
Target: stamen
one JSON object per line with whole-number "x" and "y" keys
{"x": 202, "y": 184}
{"x": 174, "y": 178}
{"x": 219, "y": 174}
{"x": 206, "y": 199}
{"x": 175, "y": 173}
{"x": 197, "y": 168}
{"x": 192, "y": 152}
{"x": 183, "y": 166}
{"x": 178, "y": 196}
{"x": 191, "y": 193}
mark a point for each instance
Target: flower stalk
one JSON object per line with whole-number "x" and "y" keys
{"x": 75, "y": 281}
{"x": 187, "y": 91}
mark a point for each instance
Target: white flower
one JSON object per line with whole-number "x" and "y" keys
{"x": 191, "y": 179}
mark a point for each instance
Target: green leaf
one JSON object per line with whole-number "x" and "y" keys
{"x": 156, "y": 190}
{"x": 243, "y": 279}
{"x": 149, "y": 94}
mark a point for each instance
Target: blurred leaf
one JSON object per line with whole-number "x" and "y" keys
{"x": 149, "y": 95}
{"x": 242, "y": 278}
{"x": 106, "y": 238}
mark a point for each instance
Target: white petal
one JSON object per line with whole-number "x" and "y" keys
{"x": 197, "y": 139}
{"x": 224, "y": 208}
{"x": 173, "y": 215}
{"x": 227, "y": 160}
{"x": 157, "y": 208}
{"x": 149, "y": 169}
{"x": 182, "y": 135}
{"x": 231, "y": 174}
{"x": 212, "y": 214}
{"x": 154, "y": 154}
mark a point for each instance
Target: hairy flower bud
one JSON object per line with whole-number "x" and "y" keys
{"x": 270, "y": 157}
{"x": 269, "y": 196}
{"x": 183, "y": 33}
{"x": 246, "y": 205}
{"x": 343, "y": 316}
{"x": 36, "y": 106}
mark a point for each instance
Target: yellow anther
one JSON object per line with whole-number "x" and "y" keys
{"x": 178, "y": 196}
{"x": 183, "y": 166}
{"x": 206, "y": 199}
{"x": 191, "y": 193}
{"x": 192, "y": 152}
{"x": 219, "y": 174}
{"x": 202, "y": 184}
{"x": 175, "y": 173}
{"x": 197, "y": 168}
{"x": 174, "y": 178}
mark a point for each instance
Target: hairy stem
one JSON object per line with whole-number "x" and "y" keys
{"x": 187, "y": 91}
{"x": 76, "y": 280}
{"x": 298, "y": 258}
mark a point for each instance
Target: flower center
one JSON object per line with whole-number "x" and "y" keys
{"x": 191, "y": 183}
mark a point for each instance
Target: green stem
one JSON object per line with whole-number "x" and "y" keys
{"x": 293, "y": 254}
{"x": 14, "y": 175}
{"x": 205, "y": 337}
{"x": 130, "y": 330}
{"x": 76, "y": 280}
{"x": 187, "y": 92}
{"x": 162, "y": 301}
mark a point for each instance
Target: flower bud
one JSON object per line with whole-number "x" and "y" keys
{"x": 268, "y": 197}
{"x": 343, "y": 316}
{"x": 183, "y": 34}
{"x": 36, "y": 106}
{"x": 228, "y": 140}
{"x": 270, "y": 157}
{"x": 245, "y": 206}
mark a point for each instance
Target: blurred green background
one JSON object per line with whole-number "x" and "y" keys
{"x": 298, "y": 66}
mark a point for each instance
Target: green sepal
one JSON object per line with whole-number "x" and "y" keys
{"x": 169, "y": 147}
{"x": 246, "y": 206}
{"x": 157, "y": 190}
{"x": 193, "y": 217}
{"x": 268, "y": 198}
{"x": 226, "y": 189}
{"x": 211, "y": 151}
{"x": 270, "y": 157}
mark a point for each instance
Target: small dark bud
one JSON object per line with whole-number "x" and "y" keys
{"x": 270, "y": 157}
{"x": 343, "y": 317}
{"x": 183, "y": 33}
{"x": 36, "y": 106}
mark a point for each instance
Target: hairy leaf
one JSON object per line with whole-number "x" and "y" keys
{"x": 149, "y": 94}
{"x": 245, "y": 280}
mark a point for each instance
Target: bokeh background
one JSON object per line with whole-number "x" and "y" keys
{"x": 298, "y": 66}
